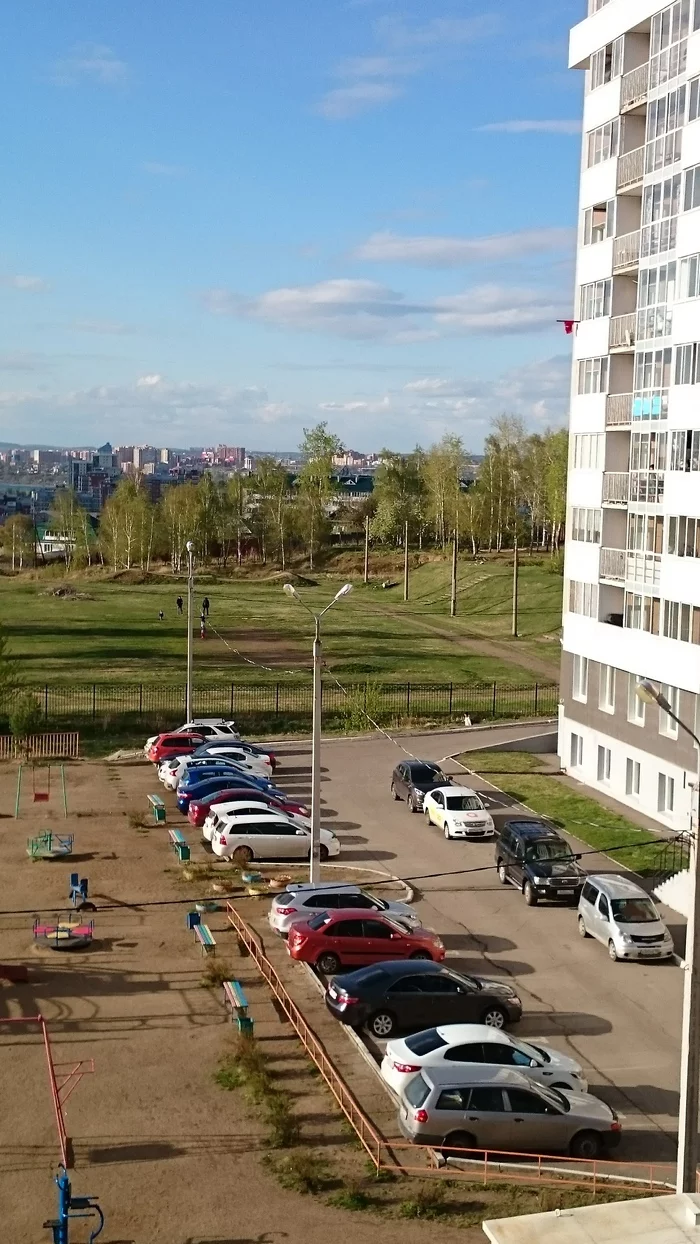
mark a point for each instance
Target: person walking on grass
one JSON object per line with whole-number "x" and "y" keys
{"x": 178, "y": 602}
{"x": 205, "y": 607}
{"x": 161, "y": 615}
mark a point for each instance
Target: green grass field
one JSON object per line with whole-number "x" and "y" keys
{"x": 110, "y": 631}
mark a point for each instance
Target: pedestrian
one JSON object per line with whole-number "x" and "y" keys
{"x": 205, "y": 607}
{"x": 179, "y": 604}
{"x": 202, "y": 626}
{"x": 161, "y": 615}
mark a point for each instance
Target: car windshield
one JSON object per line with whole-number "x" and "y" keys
{"x": 464, "y": 803}
{"x": 554, "y": 1097}
{"x": 634, "y": 911}
{"x": 423, "y": 773}
{"x": 425, "y": 1042}
{"x": 549, "y": 850}
{"x": 416, "y": 1091}
{"x": 317, "y": 922}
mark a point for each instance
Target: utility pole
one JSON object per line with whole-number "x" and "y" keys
{"x": 405, "y": 560}
{"x": 366, "y": 574}
{"x": 190, "y": 593}
{"x": 514, "y": 629}
{"x": 453, "y": 593}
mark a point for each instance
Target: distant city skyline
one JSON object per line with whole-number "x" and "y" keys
{"x": 246, "y": 220}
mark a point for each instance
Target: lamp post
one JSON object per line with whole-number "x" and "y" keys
{"x": 190, "y": 593}
{"x": 687, "y": 1160}
{"x": 315, "y": 853}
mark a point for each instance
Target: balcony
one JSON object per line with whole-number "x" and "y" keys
{"x": 643, "y": 568}
{"x": 616, "y": 488}
{"x": 618, "y": 410}
{"x": 623, "y": 332}
{"x": 626, "y": 251}
{"x": 634, "y": 87}
{"x": 612, "y": 565}
{"x": 630, "y": 170}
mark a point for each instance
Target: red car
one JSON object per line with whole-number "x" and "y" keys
{"x": 353, "y": 939}
{"x": 199, "y": 809}
{"x": 167, "y": 745}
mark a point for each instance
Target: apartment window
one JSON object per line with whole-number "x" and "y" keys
{"x": 645, "y": 533}
{"x": 606, "y": 689}
{"x": 652, "y": 376}
{"x": 603, "y": 143}
{"x": 593, "y": 375}
{"x": 633, "y": 776}
{"x": 694, "y": 88}
{"x": 689, "y": 277}
{"x": 599, "y": 222}
{"x": 583, "y": 598}
{"x": 669, "y": 43}
{"x": 604, "y": 764}
{"x": 579, "y": 689}
{"x": 691, "y": 188}
{"x": 683, "y": 538}
{"x": 685, "y": 451}
{"x": 576, "y": 751}
{"x": 648, "y": 451}
{"x": 585, "y": 525}
{"x": 665, "y": 117}
{"x": 656, "y": 289}
{"x": 642, "y": 613}
{"x": 595, "y": 5}
{"x": 681, "y": 622}
{"x": 635, "y": 706}
{"x": 589, "y": 451}
{"x": 666, "y": 793}
{"x": 660, "y": 207}
{"x": 606, "y": 64}
{"x": 595, "y": 299}
{"x": 667, "y": 725}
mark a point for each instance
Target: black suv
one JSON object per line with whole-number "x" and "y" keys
{"x": 536, "y": 859}
{"x": 413, "y": 779}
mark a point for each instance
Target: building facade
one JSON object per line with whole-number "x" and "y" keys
{"x": 632, "y": 567}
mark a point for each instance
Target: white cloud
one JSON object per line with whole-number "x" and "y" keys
{"x": 351, "y": 101}
{"x": 92, "y": 62}
{"x": 149, "y": 382}
{"x": 453, "y": 252}
{"x": 108, "y": 328}
{"x": 156, "y": 169}
{"x": 364, "y": 309}
{"x": 530, "y": 127}
{"x": 23, "y": 360}
{"x": 440, "y": 32}
{"x": 28, "y": 284}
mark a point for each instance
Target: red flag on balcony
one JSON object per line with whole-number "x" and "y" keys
{"x": 569, "y": 325}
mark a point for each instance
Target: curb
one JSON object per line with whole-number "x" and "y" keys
{"x": 407, "y": 734}
{"x": 386, "y": 878}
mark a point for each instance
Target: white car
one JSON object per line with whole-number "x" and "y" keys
{"x": 173, "y": 770}
{"x": 459, "y": 811}
{"x": 304, "y": 899}
{"x": 224, "y": 814}
{"x": 232, "y": 751}
{"x": 247, "y": 838}
{"x": 208, "y": 727}
{"x": 452, "y": 1045}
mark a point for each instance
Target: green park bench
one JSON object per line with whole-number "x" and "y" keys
{"x": 206, "y": 939}
{"x": 158, "y": 809}
{"x": 234, "y": 995}
{"x": 179, "y": 844}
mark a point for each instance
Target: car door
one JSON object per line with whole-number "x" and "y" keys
{"x": 486, "y": 1117}
{"x": 381, "y": 944}
{"x": 470, "y": 1052}
{"x": 347, "y": 939}
{"x": 407, "y": 1002}
{"x": 516, "y": 870}
{"x": 441, "y": 999}
{"x": 400, "y": 780}
{"x": 533, "y": 1125}
{"x": 437, "y": 800}
{"x": 601, "y": 919}
{"x": 281, "y": 841}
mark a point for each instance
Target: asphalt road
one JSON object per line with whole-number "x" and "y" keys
{"x": 621, "y": 1021}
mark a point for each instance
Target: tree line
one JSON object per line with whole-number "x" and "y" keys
{"x": 517, "y": 494}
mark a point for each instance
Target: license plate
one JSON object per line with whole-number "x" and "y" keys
{"x": 649, "y": 953}
{"x": 565, "y": 893}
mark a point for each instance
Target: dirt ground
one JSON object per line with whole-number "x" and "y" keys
{"x": 173, "y": 1158}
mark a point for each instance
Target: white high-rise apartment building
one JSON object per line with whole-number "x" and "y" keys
{"x": 632, "y": 570}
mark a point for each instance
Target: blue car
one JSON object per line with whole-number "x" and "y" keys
{"x": 218, "y": 768}
{"x": 210, "y": 785}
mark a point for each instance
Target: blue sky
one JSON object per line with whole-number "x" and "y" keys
{"x": 225, "y": 221}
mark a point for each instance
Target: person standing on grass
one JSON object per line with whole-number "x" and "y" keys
{"x": 202, "y": 626}
{"x": 178, "y": 602}
{"x": 205, "y": 607}
{"x": 161, "y": 615}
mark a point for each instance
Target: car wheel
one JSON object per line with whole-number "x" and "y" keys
{"x": 395, "y": 793}
{"x": 565, "y": 1087}
{"x": 427, "y": 817}
{"x": 583, "y": 931}
{"x": 382, "y": 1024}
{"x": 421, "y": 954}
{"x": 242, "y": 855}
{"x": 328, "y": 963}
{"x": 323, "y": 852}
{"x": 447, "y": 831}
{"x": 494, "y": 1017}
{"x": 612, "y": 951}
{"x": 455, "y": 1141}
{"x": 502, "y": 874}
{"x": 586, "y": 1145}
{"x": 411, "y": 804}
{"x": 529, "y": 893}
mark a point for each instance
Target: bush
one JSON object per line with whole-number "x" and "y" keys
{"x": 284, "y": 1127}
{"x": 352, "y": 1196}
{"x": 302, "y": 1171}
{"x": 26, "y": 717}
{"x": 428, "y": 1202}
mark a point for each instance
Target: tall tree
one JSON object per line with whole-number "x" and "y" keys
{"x": 315, "y": 485}
{"x": 399, "y": 490}
{"x": 18, "y": 539}
{"x": 445, "y": 467}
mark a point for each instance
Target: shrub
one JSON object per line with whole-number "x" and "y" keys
{"x": 352, "y": 1196}
{"x": 284, "y": 1127}
{"x": 25, "y": 718}
{"x": 302, "y": 1171}
{"x": 428, "y": 1202}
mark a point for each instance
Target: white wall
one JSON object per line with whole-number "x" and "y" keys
{"x": 651, "y": 656}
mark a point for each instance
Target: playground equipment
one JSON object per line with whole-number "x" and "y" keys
{"x": 82, "y": 1207}
{"x": 41, "y": 793}
{"x": 50, "y": 846}
{"x": 65, "y": 933}
{"x": 78, "y": 893}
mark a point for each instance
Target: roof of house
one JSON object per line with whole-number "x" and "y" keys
{"x": 673, "y": 1219}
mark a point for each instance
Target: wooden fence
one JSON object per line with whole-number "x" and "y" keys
{"x": 64, "y": 746}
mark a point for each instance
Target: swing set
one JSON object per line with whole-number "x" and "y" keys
{"x": 41, "y": 786}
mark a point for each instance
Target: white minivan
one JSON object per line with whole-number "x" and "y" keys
{"x": 622, "y": 916}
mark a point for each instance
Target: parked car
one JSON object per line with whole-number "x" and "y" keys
{"x": 303, "y": 899}
{"x": 164, "y": 746}
{"x": 226, "y": 813}
{"x": 459, "y": 812}
{"x": 207, "y": 727}
{"x": 354, "y": 938}
{"x": 461, "y": 1047}
{"x": 218, "y": 785}
{"x": 268, "y": 838}
{"x": 411, "y": 996}
{"x": 412, "y": 779}
{"x": 172, "y": 772}
{"x": 501, "y": 1109}
{"x": 199, "y": 809}
{"x": 220, "y": 768}
{"x": 536, "y": 859}
{"x": 622, "y": 916}
{"x": 252, "y": 749}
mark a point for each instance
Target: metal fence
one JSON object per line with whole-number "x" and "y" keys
{"x": 110, "y": 703}
{"x": 62, "y": 746}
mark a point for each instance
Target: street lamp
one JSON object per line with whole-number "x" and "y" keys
{"x": 315, "y": 854}
{"x": 190, "y": 592}
{"x": 687, "y": 1160}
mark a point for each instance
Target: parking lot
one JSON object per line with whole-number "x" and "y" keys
{"x": 622, "y": 1021}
